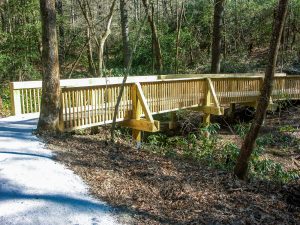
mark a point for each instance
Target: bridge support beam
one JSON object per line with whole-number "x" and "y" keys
{"x": 136, "y": 115}
{"x": 139, "y": 106}
{"x": 173, "y": 120}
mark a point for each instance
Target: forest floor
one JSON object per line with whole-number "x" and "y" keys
{"x": 155, "y": 189}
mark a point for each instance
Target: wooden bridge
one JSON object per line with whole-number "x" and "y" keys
{"x": 91, "y": 102}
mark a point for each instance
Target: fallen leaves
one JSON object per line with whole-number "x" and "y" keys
{"x": 158, "y": 190}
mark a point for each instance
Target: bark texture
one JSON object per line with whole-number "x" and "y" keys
{"x": 156, "y": 43}
{"x": 125, "y": 31}
{"x": 217, "y": 36}
{"x": 61, "y": 29}
{"x": 50, "y": 104}
{"x": 103, "y": 37}
{"x": 241, "y": 167}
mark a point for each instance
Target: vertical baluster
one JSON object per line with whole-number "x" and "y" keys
{"x": 30, "y": 100}
{"x": 73, "y": 108}
{"x": 69, "y": 109}
{"x": 88, "y": 102}
{"x": 26, "y": 100}
{"x": 97, "y": 104}
{"x": 39, "y": 99}
{"x": 34, "y": 100}
{"x": 66, "y": 109}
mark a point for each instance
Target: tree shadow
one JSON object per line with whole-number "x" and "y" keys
{"x": 10, "y": 190}
{"x": 25, "y": 153}
{"x": 20, "y": 130}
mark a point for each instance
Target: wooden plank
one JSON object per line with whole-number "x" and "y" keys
{"x": 61, "y": 113}
{"x": 88, "y": 82}
{"x": 142, "y": 125}
{"x": 30, "y": 101}
{"x": 210, "y": 110}
{"x": 213, "y": 92}
{"x": 39, "y": 100}
{"x": 136, "y": 114}
{"x": 34, "y": 100}
{"x": 143, "y": 102}
{"x": 206, "y": 117}
{"x": 73, "y": 107}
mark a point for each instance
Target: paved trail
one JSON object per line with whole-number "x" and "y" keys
{"x": 35, "y": 189}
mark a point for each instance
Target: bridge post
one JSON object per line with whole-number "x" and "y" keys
{"x": 206, "y": 117}
{"x": 173, "y": 120}
{"x": 15, "y": 96}
{"x": 232, "y": 109}
{"x": 136, "y": 114}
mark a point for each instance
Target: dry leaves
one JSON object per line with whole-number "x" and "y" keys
{"x": 158, "y": 190}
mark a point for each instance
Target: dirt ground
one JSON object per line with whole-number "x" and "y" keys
{"x": 153, "y": 189}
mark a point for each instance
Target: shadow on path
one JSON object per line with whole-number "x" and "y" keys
{"x": 25, "y": 154}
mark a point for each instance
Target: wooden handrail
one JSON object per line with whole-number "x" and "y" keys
{"x": 87, "y": 82}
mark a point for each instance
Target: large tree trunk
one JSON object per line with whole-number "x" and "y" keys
{"x": 241, "y": 167}
{"x": 50, "y": 105}
{"x": 125, "y": 31}
{"x": 217, "y": 36}
{"x": 157, "y": 49}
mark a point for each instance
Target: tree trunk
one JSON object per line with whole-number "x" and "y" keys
{"x": 72, "y": 14}
{"x": 61, "y": 29}
{"x": 241, "y": 167}
{"x": 217, "y": 36}
{"x": 92, "y": 68}
{"x": 50, "y": 104}
{"x": 157, "y": 49}
{"x": 3, "y": 24}
{"x": 101, "y": 57}
{"x": 179, "y": 22}
{"x": 103, "y": 38}
{"x": 125, "y": 31}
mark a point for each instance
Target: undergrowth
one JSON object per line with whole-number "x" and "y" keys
{"x": 208, "y": 149}
{"x": 5, "y": 103}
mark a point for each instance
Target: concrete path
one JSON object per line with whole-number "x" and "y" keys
{"x": 35, "y": 189}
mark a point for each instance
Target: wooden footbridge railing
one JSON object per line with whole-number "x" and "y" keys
{"x": 91, "y": 102}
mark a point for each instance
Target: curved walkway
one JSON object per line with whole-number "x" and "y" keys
{"x": 35, "y": 189}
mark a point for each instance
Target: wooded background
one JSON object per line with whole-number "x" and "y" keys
{"x": 178, "y": 40}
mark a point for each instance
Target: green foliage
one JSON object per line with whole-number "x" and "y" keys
{"x": 19, "y": 46}
{"x": 5, "y": 96}
{"x": 271, "y": 170}
{"x": 162, "y": 144}
{"x": 287, "y": 128}
{"x": 242, "y": 129}
{"x": 200, "y": 147}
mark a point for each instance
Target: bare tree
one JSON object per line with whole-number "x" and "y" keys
{"x": 241, "y": 167}
{"x": 125, "y": 31}
{"x": 179, "y": 23}
{"x": 61, "y": 29}
{"x": 217, "y": 36}
{"x": 101, "y": 38}
{"x": 137, "y": 39}
{"x": 50, "y": 105}
{"x": 156, "y": 43}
